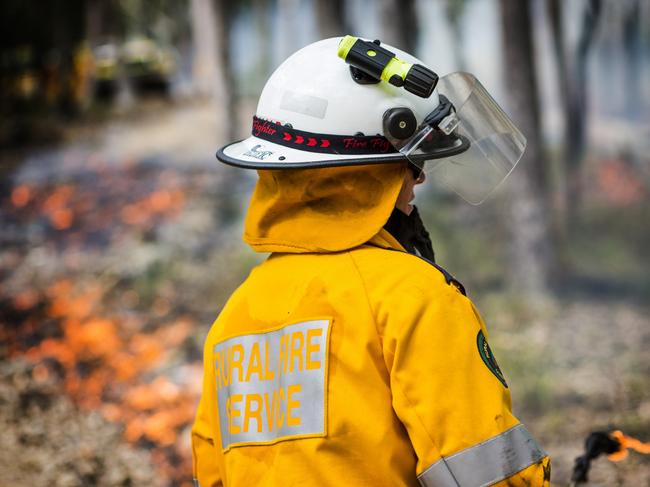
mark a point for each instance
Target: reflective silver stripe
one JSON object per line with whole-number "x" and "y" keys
{"x": 196, "y": 483}
{"x": 488, "y": 462}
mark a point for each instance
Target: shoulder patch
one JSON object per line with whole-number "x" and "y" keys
{"x": 488, "y": 358}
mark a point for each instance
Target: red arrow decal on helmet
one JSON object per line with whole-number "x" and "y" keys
{"x": 287, "y": 136}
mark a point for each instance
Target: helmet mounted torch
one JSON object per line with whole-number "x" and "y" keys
{"x": 370, "y": 63}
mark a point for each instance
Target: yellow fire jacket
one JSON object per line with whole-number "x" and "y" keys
{"x": 344, "y": 360}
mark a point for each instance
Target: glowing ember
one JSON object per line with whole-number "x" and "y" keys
{"x": 20, "y": 196}
{"x": 627, "y": 443}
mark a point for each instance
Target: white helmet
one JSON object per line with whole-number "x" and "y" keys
{"x": 316, "y": 111}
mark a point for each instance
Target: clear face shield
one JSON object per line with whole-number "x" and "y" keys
{"x": 467, "y": 141}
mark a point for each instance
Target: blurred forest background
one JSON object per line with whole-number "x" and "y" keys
{"x": 120, "y": 233}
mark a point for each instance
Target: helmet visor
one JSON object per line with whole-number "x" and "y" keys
{"x": 479, "y": 143}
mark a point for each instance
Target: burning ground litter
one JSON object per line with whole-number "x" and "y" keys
{"x": 104, "y": 303}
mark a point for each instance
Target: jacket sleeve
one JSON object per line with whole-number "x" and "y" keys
{"x": 449, "y": 392}
{"x": 205, "y": 446}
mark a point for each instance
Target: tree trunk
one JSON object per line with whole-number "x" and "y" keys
{"x": 286, "y": 13}
{"x": 204, "y": 69}
{"x": 556, "y": 18}
{"x": 633, "y": 60}
{"x": 104, "y": 21}
{"x": 400, "y": 24}
{"x": 228, "y": 95}
{"x": 94, "y": 25}
{"x": 330, "y": 15}
{"x": 559, "y": 218}
{"x": 576, "y": 130}
{"x": 454, "y": 11}
{"x": 531, "y": 261}
{"x": 261, "y": 24}
{"x": 212, "y": 74}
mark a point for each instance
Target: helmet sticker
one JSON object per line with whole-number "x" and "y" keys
{"x": 488, "y": 358}
{"x": 309, "y": 105}
{"x": 258, "y": 154}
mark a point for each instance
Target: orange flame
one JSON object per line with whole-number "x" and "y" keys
{"x": 20, "y": 196}
{"x": 114, "y": 366}
{"x": 627, "y": 442}
{"x": 161, "y": 202}
{"x": 104, "y": 359}
{"x": 67, "y": 206}
{"x": 57, "y": 207}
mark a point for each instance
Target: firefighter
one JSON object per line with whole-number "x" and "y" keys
{"x": 349, "y": 357}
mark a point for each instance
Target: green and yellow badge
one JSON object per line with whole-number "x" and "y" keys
{"x": 488, "y": 358}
